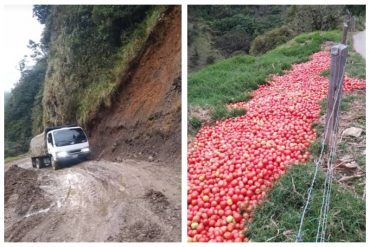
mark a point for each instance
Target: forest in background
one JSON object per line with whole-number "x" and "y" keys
{"x": 216, "y": 32}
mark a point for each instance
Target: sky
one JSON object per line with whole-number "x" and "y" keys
{"x": 19, "y": 27}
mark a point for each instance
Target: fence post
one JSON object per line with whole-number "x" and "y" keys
{"x": 346, "y": 24}
{"x": 338, "y": 60}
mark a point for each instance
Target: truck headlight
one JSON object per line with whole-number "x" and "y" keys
{"x": 85, "y": 150}
{"x": 62, "y": 154}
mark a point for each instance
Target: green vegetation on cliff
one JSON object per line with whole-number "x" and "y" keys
{"x": 18, "y": 109}
{"x": 90, "y": 47}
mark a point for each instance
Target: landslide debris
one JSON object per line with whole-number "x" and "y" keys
{"x": 144, "y": 120}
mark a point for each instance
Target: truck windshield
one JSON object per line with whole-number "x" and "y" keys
{"x": 69, "y": 137}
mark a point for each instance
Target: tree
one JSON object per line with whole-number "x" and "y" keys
{"x": 38, "y": 49}
{"x": 308, "y": 18}
{"x": 41, "y": 12}
{"x": 18, "y": 110}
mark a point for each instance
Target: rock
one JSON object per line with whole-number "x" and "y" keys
{"x": 351, "y": 165}
{"x": 352, "y": 131}
{"x": 150, "y": 158}
{"x": 346, "y": 158}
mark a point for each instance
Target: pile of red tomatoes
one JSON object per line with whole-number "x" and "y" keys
{"x": 233, "y": 164}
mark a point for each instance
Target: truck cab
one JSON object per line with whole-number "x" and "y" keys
{"x": 59, "y": 144}
{"x": 66, "y": 144}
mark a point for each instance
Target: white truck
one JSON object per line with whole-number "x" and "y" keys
{"x": 57, "y": 145}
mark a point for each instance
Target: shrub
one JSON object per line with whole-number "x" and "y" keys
{"x": 271, "y": 39}
{"x": 195, "y": 123}
{"x": 233, "y": 41}
{"x": 308, "y": 18}
{"x": 210, "y": 59}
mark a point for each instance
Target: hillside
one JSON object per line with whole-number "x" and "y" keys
{"x": 233, "y": 79}
{"x": 216, "y": 32}
{"x": 146, "y": 109}
{"x": 250, "y": 170}
{"x": 87, "y": 58}
{"x": 255, "y": 131}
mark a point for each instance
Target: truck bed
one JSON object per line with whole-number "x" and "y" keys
{"x": 38, "y": 146}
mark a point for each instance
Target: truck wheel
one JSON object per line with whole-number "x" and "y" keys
{"x": 39, "y": 163}
{"x": 54, "y": 164}
{"x": 33, "y": 162}
{"x": 87, "y": 157}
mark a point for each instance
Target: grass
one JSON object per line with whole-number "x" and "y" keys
{"x": 325, "y": 73}
{"x": 232, "y": 79}
{"x": 237, "y": 112}
{"x": 355, "y": 65}
{"x": 278, "y": 218}
{"x": 14, "y": 158}
{"x": 346, "y": 102}
{"x": 195, "y": 124}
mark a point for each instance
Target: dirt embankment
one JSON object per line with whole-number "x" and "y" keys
{"x": 144, "y": 120}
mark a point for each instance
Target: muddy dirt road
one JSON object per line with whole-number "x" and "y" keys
{"x": 93, "y": 201}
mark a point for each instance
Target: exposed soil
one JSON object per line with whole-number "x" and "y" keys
{"x": 203, "y": 114}
{"x": 144, "y": 121}
{"x": 19, "y": 181}
{"x": 93, "y": 201}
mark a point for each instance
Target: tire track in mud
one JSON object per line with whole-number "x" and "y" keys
{"x": 99, "y": 201}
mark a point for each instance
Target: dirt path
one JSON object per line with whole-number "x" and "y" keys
{"x": 359, "y": 43}
{"x": 93, "y": 201}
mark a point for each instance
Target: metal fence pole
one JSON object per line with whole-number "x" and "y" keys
{"x": 338, "y": 61}
{"x": 346, "y": 26}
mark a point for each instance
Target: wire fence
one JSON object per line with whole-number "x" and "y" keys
{"x": 329, "y": 140}
{"x": 318, "y": 163}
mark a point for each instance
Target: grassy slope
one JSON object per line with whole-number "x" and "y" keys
{"x": 278, "y": 218}
{"x": 230, "y": 80}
